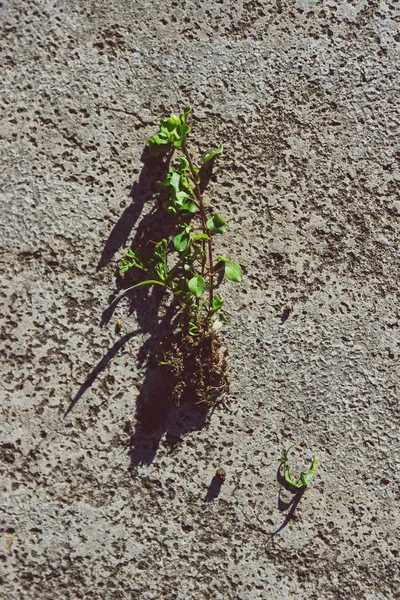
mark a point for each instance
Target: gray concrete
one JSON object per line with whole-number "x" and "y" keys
{"x": 304, "y": 95}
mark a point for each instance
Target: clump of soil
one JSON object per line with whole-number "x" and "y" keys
{"x": 195, "y": 369}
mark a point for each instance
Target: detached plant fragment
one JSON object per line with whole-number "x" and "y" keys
{"x": 304, "y": 479}
{"x": 184, "y": 266}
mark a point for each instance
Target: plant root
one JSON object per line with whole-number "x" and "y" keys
{"x": 195, "y": 369}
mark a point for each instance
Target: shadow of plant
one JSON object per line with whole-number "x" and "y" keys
{"x": 155, "y": 415}
{"x": 284, "y": 505}
{"x": 154, "y": 168}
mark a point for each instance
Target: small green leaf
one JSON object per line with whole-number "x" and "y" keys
{"x": 182, "y": 131}
{"x": 182, "y": 241}
{"x": 172, "y": 133}
{"x": 200, "y": 236}
{"x": 217, "y": 303}
{"x": 184, "y": 166}
{"x": 189, "y": 207}
{"x": 158, "y": 145}
{"x": 197, "y": 285}
{"x": 222, "y": 259}
{"x": 130, "y": 260}
{"x": 175, "y": 181}
{"x": 304, "y": 479}
{"x": 181, "y": 196}
{"x": 180, "y": 286}
{"x": 159, "y": 259}
{"x": 216, "y": 224}
{"x": 171, "y": 122}
{"x": 233, "y": 272}
{"x": 310, "y": 474}
{"x": 158, "y": 140}
{"x": 193, "y": 329}
{"x": 212, "y": 155}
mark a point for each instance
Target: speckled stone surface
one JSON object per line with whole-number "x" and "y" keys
{"x": 304, "y": 96}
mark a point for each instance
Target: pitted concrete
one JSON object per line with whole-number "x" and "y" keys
{"x": 304, "y": 96}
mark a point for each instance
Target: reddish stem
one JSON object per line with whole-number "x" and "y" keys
{"x": 203, "y": 215}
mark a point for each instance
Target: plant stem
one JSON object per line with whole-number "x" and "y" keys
{"x": 196, "y": 181}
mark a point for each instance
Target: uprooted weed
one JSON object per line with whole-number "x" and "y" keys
{"x": 192, "y": 362}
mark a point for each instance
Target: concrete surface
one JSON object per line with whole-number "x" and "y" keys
{"x": 304, "y": 96}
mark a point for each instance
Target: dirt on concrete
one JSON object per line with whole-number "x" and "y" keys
{"x": 107, "y": 493}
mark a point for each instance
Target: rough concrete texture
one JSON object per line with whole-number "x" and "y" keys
{"x": 305, "y": 97}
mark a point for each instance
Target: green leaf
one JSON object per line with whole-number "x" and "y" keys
{"x": 178, "y": 194}
{"x": 222, "y": 259}
{"x": 310, "y": 474}
{"x": 193, "y": 329}
{"x": 216, "y": 224}
{"x": 172, "y": 133}
{"x": 181, "y": 196}
{"x": 159, "y": 259}
{"x": 233, "y": 272}
{"x": 130, "y": 260}
{"x": 184, "y": 166}
{"x": 175, "y": 180}
{"x": 208, "y": 158}
{"x": 304, "y": 479}
{"x": 197, "y": 285}
{"x": 200, "y": 236}
{"x": 179, "y": 286}
{"x": 169, "y": 125}
{"x": 158, "y": 145}
{"x": 173, "y": 120}
{"x": 182, "y": 132}
{"x": 190, "y": 207}
{"x": 182, "y": 241}
{"x": 217, "y": 303}
{"x": 159, "y": 139}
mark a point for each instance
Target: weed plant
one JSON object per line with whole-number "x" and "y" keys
{"x": 192, "y": 361}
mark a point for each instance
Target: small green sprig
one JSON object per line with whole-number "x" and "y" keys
{"x": 130, "y": 260}
{"x": 190, "y": 249}
{"x": 304, "y": 479}
{"x": 172, "y": 134}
